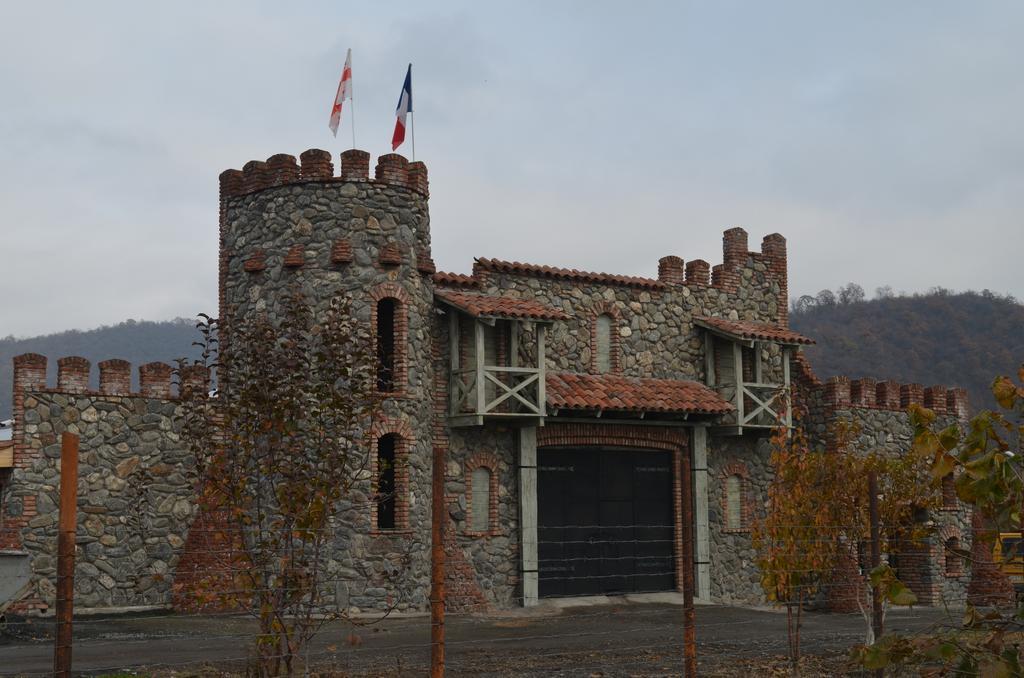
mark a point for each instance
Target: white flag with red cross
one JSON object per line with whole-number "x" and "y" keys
{"x": 344, "y": 92}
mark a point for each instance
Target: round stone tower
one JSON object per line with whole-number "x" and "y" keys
{"x": 287, "y": 224}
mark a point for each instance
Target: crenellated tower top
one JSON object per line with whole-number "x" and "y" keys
{"x": 315, "y": 165}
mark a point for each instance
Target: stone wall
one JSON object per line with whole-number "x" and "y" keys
{"x": 135, "y": 483}
{"x": 653, "y": 318}
{"x": 878, "y": 413}
{"x": 735, "y": 577}
{"x": 494, "y": 555}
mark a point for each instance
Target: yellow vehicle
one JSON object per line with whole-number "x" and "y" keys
{"x": 1009, "y": 557}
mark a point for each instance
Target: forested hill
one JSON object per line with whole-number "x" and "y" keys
{"x": 937, "y": 338}
{"x": 138, "y": 342}
{"x": 963, "y": 339}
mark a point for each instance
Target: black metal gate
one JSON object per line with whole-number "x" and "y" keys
{"x": 604, "y": 521}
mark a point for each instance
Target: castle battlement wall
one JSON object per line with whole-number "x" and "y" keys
{"x": 74, "y": 374}
{"x": 739, "y": 265}
{"x": 136, "y": 484}
{"x": 841, "y": 393}
{"x": 392, "y": 170}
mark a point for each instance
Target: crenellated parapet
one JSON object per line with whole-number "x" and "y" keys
{"x": 739, "y": 267}
{"x": 315, "y": 165}
{"x": 842, "y": 393}
{"x": 74, "y": 374}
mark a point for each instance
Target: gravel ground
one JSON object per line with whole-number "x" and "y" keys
{"x": 603, "y": 640}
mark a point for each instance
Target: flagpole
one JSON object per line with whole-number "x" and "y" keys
{"x": 412, "y": 121}
{"x": 353, "y": 100}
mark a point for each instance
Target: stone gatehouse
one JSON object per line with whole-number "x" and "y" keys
{"x": 566, "y": 402}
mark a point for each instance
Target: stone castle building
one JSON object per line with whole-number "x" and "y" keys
{"x": 566, "y": 402}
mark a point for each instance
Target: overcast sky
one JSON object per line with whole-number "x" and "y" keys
{"x": 884, "y": 140}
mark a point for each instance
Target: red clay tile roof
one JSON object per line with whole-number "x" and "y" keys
{"x": 454, "y": 279}
{"x": 568, "y": 274}
{"x": 567, "y": 390}
{"x": 502, "y": 307}
{"x": 748, "y": 329}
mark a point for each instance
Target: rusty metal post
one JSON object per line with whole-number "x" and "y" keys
{"x": 437, "y": 592}
{"x": 66, "y": 553}
{"x": 876, "y": 558}
{"x": 689, "y": 630}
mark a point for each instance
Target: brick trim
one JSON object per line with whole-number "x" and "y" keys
{"x": 950, "y": 502}
{"x": 739, "y": 469}
{"x": 952, "y": 564}
{"x": 489, "y": 462}
{"x": 394, "y": 291}
{"x": 555, "y": 434}
{"x": 403, "y": 445}
{"x": 614, "y": 341}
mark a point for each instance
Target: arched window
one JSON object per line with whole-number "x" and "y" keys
{"x": 954, "y": 563}
{"x": 386, "y": 311}
{"x": 386, "y": 486}
{"x": 734, "y": 502}
{"x": 603, "y": 343}
{"x": 481, "y": 499}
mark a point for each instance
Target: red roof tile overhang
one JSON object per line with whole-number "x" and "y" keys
{"x": 494, "y": 306}
{"x": 616, "y": 393}
{"x": 749, "y": 331}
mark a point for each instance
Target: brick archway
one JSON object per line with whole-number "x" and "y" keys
{"x": 676, "y": 441}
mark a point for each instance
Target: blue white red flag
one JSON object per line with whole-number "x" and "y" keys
{"x": 344, "y": 92}
{"x": 403, "y": 109}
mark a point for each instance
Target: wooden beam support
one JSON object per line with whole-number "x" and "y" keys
{"x": 513, "y": 331}
{"x": 709, "y": 358}
{"x": 454, "y": 338}
{"x": 737, "y": 368}
{"x": 786, "y": 354}
{"x": 542, "y": 366}
{"x": 758, "y": 367}
{"x": 481, "y": 389}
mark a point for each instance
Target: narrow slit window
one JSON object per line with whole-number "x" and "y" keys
{"x": 386, "y": 309}
{"x": 954, "y": 565}
{"x": 603, "y": 339}
{"x": 386, "y": 482}
{"x": 734, "y": 502}
{"x": 481, "y": 499}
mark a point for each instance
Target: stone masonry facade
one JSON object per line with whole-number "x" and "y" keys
{"x": 292, "y": 225}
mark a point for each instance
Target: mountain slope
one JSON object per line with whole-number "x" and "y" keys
{"x": 942, "y": 338}
{"x": 138, "y": 342}
{"x": 938, "y": 338}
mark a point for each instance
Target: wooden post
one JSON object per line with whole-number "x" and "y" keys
{"x": 737, "y": 368}
{"x": 481, "y": 380}
{"x": 542, "y": 366}
{"x": 437, "y": 592}
{"x": 876, "y": 559}
{"x": 689, "y": 630}
{"x": 709, "y": 358}
{"x": 758, "y": 372}
{"x": 786, "y": 353}
{"x": 455, "y": 380}
{"x": 513, "y": 340}
{"x": 66, "y": 553}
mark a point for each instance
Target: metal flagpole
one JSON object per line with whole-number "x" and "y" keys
{"x": 353, "y": 100}
{"x": 412, "y": 118}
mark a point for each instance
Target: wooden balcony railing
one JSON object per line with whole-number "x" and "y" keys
{"x": 760, "y": 405}
{"x": 508, "y": 391}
